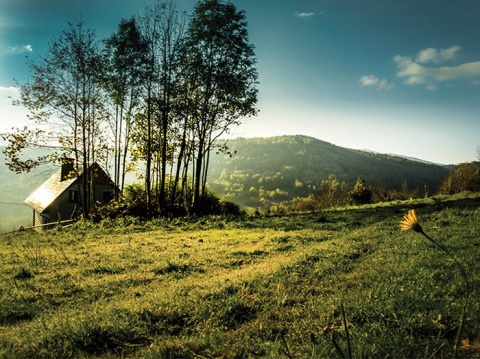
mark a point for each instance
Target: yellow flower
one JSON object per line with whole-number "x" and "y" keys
{"x": 410, "y": 221}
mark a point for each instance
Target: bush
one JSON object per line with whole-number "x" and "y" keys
{"x": 133, "y": 203}
{"x": 382, "y": 194}
{"x": 332, "y": 193}
{"x": 360, "y": 194}
{"x": 211, "y": 204}
{"x": 304, "y": 204}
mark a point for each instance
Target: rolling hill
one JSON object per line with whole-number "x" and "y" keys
{"x": 295, "y": 165}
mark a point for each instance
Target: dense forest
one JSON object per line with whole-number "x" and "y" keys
{"x": 272, "y": 170}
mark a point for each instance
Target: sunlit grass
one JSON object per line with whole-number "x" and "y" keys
{"x": 260, "y": 287}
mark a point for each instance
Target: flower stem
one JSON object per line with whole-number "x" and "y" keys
{"x": 467, "y": 286}
{"x": 345, "y": 325}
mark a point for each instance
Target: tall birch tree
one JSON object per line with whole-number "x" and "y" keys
{"x": 125, "y": 54}
{"x": 221, "y": 75}
{"x": 163, "y": 27}
{"x": 65, "y": 99}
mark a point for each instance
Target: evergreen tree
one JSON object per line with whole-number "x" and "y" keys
{"x": 360, "y": 194}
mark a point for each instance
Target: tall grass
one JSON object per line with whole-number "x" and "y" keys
{"x": 292, "y": 286}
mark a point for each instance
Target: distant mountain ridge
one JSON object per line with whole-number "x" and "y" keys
{"x": 297, "y": 164}
{"x": 415, "y": 159}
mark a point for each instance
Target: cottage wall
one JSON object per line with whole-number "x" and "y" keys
{"x": 61, "y": 209}
{"x": 38, "y": 220}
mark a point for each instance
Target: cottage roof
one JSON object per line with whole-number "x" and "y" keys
{"x": 48, "y": 191}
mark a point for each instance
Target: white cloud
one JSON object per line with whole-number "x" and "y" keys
{"x": 414, "y": 73}
{"x": 304, "y": 15}
{"x": 435, "y": 56}
{"x": 11, "y": 91}
{"x": 18, "y": 49}
{"x": 374, "y": 81}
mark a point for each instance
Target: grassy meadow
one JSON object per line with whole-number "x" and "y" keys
{"x": 270, "y": 287}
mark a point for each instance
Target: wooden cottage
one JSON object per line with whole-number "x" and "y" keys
{"x": 59, "y": 197}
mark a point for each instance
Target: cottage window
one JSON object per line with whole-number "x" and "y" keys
{"x": 73, "y": 196}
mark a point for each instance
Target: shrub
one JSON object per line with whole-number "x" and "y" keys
{"x": 382, "y": 194}
{"x": 304, "y": 204}
{"x": 132, "y": 203}
{"x": 332, "y": 193}
{"x": 211, "y": 204}
{"x": 360, "y": 194}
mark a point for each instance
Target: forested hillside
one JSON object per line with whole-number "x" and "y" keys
{"x": 281, "y": 168}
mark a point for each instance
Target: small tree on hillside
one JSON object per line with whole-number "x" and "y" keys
{"x": 332, "y": 193}
{"x": 360, "y": 194}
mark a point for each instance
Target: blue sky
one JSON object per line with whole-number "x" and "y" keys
{"x": 389, "y": 76}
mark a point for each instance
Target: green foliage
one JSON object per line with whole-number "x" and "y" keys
{"x": 332, "y": 194}
{"x": 125, "y": 60}
{"x": 259, "y": 287}
{"x": 21, "y": 139}
{"x": 212, "y": 205}
{"x": 221, "y": 64}
{"x": 160, "y": 90}
{"x": 465, "y": 177}
{"x": 360, "y": 194}
{"x": 220, "y": 71}
{"x": 308, "y": 204}
{"x": 134, "y": 204}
